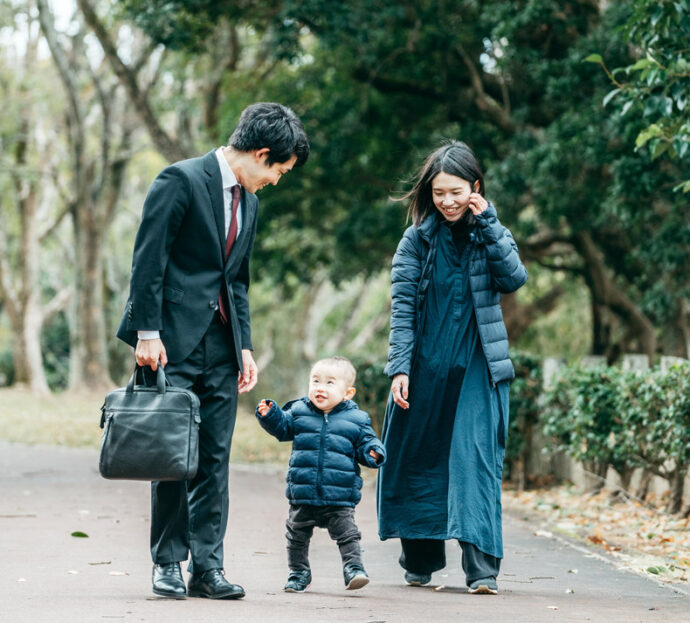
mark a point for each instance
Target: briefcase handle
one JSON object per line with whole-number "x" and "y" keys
{"x": 161, "y": 380}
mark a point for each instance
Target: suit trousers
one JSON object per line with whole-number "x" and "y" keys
{"x": 191, "y": 516}
{"x": 340, "y": 522}
{"x": 424, "y": 556}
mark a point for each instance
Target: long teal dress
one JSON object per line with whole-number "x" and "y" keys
{"x": 442, "y": 478}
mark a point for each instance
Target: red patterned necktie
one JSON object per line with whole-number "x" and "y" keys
{"x": 232, "y": 234}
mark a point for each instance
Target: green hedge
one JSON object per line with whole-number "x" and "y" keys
{"x": 609, "y": 417}
{"x": 601, "y": 416}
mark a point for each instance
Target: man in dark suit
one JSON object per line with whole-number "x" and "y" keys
{"x": 188, "y": 309}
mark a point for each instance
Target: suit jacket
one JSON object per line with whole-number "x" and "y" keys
{"x": 178, "y": 266}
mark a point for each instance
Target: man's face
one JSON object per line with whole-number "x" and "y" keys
{"x": 256, "y": 173}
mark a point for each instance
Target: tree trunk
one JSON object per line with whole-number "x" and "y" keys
{"x": 607, "y": 297}
{"x": 89, "y": 365}
{"x": 97, "y": 176}
{"x": 643, "y": 485}
{"x": 23, "y": 299}
{"x": 26, "y": 349}
{"x": 595, "y": 475}
{"x": 676, "y": 482}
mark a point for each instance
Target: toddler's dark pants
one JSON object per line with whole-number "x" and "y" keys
{"x": 338, "y": 520}
{"x": 425, "y": 556}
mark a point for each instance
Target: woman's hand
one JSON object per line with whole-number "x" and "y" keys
{"x": 399, "y": 387}
{"x": 477, "y": 204}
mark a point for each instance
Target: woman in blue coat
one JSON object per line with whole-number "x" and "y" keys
{"x": 447, "y": 417}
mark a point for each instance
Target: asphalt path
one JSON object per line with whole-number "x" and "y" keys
{"x": 47, "y": 575}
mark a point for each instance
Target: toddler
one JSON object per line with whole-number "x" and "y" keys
{"x": 330, "y": 436}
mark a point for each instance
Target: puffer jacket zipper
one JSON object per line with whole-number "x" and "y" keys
{"x": 319, "y": 467}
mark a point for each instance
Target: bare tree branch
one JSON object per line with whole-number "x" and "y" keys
{"x": 51, "y": 227}
{"x": 170, "y": 148}
{"x": 76, "y": 116}
{"x": 607, "y": 293}
{"x": 56, "y": 304}
{"x": 483, "y": 101}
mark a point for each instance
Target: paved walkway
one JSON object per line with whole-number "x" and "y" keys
{"x": 48, "y": 576}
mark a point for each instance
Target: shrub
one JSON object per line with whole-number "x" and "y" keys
{"x": 658, "y": 418}
{"x": 525, "y": 391}
{"x": 585, "y": 416}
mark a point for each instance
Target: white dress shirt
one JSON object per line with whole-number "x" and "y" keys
{"x": 228, "y": 180}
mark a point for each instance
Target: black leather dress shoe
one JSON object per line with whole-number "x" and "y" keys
{"x": 212, "y": 584}
{"x": 168, "y": 582}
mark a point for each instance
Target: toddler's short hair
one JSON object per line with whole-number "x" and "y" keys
{"x": 344, "y": 364}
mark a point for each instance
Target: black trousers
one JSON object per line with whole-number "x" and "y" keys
{"x": 191, "y": 517}
{"x": 338, "y": 520}
{"x": 425, "y": 556}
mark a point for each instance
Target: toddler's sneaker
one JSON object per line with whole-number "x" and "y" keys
{"x": 355, "y": 577}
{"x": 485, "y": 586}
{"x": 298, "y": 581}
{"x": 417, "y": 579}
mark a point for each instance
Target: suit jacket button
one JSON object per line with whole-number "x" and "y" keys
{"x": 212, "y": 304}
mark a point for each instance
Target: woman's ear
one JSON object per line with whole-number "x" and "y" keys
{"x": 475, "y": 186}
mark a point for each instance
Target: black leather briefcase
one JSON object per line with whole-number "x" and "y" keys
{"x": 150, "y": 433}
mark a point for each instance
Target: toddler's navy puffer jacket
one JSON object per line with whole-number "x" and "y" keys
{"x": 326, "y": 450}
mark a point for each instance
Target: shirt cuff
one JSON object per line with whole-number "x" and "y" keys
{"x": 148, "y": 335}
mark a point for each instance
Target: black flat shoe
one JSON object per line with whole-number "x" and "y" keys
{"x": 168, "y": 582}
{"x": 212, "y": 584}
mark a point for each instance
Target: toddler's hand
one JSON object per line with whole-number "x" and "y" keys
{"x": 264, "y": 407}
{"x": 375, "y": 455}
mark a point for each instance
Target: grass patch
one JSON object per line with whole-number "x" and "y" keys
{"x": 72, "y": 419}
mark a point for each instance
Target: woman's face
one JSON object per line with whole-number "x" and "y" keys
{"x": 451, "y": 195}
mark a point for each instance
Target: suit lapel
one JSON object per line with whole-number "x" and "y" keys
{"x": 214, "y": 185}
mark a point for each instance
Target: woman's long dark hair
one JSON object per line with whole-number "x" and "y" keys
{"x": 454, "y": 158}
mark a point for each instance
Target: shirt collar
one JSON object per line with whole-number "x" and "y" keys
{"x": 227, "y": 176}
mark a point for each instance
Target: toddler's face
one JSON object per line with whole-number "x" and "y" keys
{"x": 328, "y": 386}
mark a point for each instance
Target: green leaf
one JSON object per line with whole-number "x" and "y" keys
{"x": 653, "y": 131}
{"x": 643, "y": 63}
{"x": 656, "y": 570}
{"x": 660, "y": 148}
{"x": 80, "y": 535}
{"x": 609, "y": 96}
{"x": 594, "y": 58}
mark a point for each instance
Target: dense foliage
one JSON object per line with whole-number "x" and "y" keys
{"x": 380, "y": 82}
{"x": 656, "y": 87}
{"x": 606, "y": 416}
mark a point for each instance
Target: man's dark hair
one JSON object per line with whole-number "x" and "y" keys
{"x": 267, "y": 124}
